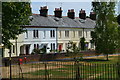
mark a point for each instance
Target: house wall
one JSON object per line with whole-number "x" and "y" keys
{"x": 73, "y": 36}
{"x": 16, "y": 51}
{"x": 43, "y": 38}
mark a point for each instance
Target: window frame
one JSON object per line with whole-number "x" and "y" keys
{"x": 26, "y": 35}
{"x": 67, "y": 33}
{"x": 52, "y": 33}
{"x": 35, "y": 34}
{"x": 80, "y": 33}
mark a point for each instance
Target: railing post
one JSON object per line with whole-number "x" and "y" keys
{"x": 10, "y": 63}
{"x": 118, "y": 70}
{"x": 77, "y": 70}
{"x": 46, "y": 72}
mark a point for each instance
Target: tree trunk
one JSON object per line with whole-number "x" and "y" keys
{"x": 107, "y": 57}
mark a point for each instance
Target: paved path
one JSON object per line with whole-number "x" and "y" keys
{"x": 65, "y": 59}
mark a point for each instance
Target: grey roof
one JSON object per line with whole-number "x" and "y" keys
{"x": 52, "y": 21}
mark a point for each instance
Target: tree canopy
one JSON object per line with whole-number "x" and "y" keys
{"x": 82, "y": 42}
{"x": 14, "y": 15}
{"x": 105, "y": 35}
{"x": 118, "y": 19}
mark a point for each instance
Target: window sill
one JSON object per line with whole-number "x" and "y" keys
{"x": 52, "y": 37}
{"x": 36, "y": 38}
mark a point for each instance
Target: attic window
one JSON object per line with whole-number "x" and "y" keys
{"x": 56, "y": 19}
{"x": 82, "y": 21}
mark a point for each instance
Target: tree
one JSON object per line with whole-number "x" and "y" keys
{"x": 0, "y": 23}
{"x": 106, "y": 29}
{"x": 82, "y": 42}
{"x": 73, "y": 50}
{"x": 14, "y": 15}
{"x": 118, "y": 19}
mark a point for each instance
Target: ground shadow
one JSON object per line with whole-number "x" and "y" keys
{"x": 92, "y": 60}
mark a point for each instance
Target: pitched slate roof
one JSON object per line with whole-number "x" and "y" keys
{"x": 66, "y": 22}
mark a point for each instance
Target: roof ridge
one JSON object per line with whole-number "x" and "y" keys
{"x": 53, "y": 15}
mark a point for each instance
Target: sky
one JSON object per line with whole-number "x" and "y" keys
{"x": 77, "y": 6}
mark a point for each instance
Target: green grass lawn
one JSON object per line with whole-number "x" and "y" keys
{"x": 89, "y": 68}
{"x": 102, "y": 60}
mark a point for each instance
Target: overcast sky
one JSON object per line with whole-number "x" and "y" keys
{"x": 77, "y": 6}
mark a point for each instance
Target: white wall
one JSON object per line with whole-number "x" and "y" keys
{"x": 41, "y": 39}
{"x": 19, "y": 43}
{"x": 75, "y": 39}
{"x": 22, "y": 40}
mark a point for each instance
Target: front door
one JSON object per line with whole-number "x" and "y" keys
{"x": 27, "y": 49}
{"x": 60, "y": 47}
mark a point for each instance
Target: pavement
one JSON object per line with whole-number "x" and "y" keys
{"x": 68, "y": 59}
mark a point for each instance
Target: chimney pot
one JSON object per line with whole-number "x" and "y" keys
{"x": 92, "y": 15}
{"x": 60, "y": 8}
{"x": 71, "y": 14}
{"x": 68, "y": 10}
{"x": 43, "y": 11}
{"x": 45, "y": 7}
{"x": 72, "y": 10}
{"x": 82, "y": 14}
{"x": 58, "y": 12}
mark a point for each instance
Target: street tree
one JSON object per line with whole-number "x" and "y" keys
{"x": 82, "y": 43}
{"x": 105, "y": 35}
{"x": 118, "y": 19}
{"x": 73, "y": 51}
{"x": 14, "y": 15}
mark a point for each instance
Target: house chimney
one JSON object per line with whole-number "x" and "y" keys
{"x": 58, "y": 12}
{"x": 82, "y": 14}
{"x": 71, "y": 14}
{"x": 43, "y": 11}
{"x": 92, "y": 15}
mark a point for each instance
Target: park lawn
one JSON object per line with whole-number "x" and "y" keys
{"x": 88, "y": 69}
{"x": 102, "y": 60}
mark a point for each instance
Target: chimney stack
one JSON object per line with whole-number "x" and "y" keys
{"x": 92, "y": 15}
{"x": 82, "y": 14}
{"x": 43, "y": 11}
{"x": 58, "y": 12}
{"x": 71, "y": 14}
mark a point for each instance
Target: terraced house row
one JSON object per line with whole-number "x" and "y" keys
{"x": 54, "y": 32}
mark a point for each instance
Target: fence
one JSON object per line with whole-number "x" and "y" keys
{"x": 67, "y": 70}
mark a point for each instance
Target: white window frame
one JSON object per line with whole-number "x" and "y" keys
{"x": 52, "y": 33}
{"x": 13, "y": 48}
{"x": 44, "y": 34}
{"x": 52, "y": 45}
{"x": 35, "y": 33}
{"x": 79, "y": 33}
{"x": 60, "y": 34}
{"x": 73, "y": 34}
{"x": 86, "y": 32}
{"x": 66, "y": 33}
{"x": 26, "y": 34}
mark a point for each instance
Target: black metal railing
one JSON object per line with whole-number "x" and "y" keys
{"x": 57, "y": 70}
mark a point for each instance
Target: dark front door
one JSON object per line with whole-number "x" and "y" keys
{"x": 27, "y": 49}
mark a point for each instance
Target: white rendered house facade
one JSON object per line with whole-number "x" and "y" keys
{"x": 54, "y": 32}
{"x": 37, "y": 37}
